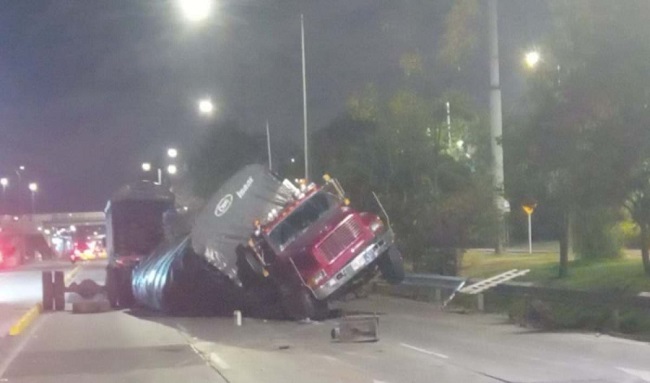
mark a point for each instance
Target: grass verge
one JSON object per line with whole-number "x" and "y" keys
{"x": 620, "y": 274}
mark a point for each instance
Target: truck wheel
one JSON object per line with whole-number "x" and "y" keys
{"x": 391, "y": 265}
{"x": 59, "y": 291}
{"x": 111, "y": 287}
{"x": 125, "y": 291}
{"x": 300, "y": 305}
{"x": 48, "y": 290}
{"x": 249, "y": 269}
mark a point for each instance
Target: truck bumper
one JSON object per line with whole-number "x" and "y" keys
{"x": 356, "y": 266}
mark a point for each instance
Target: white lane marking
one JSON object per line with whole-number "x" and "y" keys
{"x": 443, "y": 356}
{"x": 330, "y": 358}
{"x": 642, "y": 374}
{"x": 377, "y": 381}
{"x": 220, "y": 363}
{"x": 182, "y": 329}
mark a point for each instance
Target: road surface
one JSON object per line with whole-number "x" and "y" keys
{"x": 20, "y": 290}
{"x": 418, "y": 344}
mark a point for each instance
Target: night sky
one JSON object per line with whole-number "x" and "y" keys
{"x": 90, "y": 89}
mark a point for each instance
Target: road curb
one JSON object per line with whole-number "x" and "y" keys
{"x": 28, "y": 318}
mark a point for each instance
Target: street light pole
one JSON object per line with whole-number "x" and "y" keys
{"x": 496, "y": 130}
{"x": 304, "y": 95}
{"x": 4, "y": 182}
{"x": 33, "y": 188}
{"x": 268, "y": 145}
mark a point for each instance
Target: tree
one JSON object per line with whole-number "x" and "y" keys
{"x": 585, "y": 133}
{"x": 638, "y": 204}
{"x": 401, "y": 147}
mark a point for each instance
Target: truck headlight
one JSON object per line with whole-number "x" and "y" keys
{"x": 376, "y": 225}
{"x": 318, "y": 278}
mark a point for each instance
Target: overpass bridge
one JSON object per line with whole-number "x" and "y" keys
{"x": 53, "y": 234}
{"x": 51, "y": 222}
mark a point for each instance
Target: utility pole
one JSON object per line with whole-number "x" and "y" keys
{"x": 448, "y": 127}
{"x": 496, "y": 132}
{"x": 304, "y": 95}
{"x": 268, "y": 145}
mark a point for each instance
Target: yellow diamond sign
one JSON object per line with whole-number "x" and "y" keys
{"x": 529, "y": 209}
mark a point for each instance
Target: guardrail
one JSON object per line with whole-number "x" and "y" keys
{"x": 435, "y": 287}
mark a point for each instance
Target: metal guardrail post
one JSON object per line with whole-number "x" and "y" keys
{"x": 481, "y": 302}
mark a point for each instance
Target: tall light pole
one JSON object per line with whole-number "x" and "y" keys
{"x": 304, "y": 95}
{"x": 171, "y": 169}
{"x": 496, "y": 129}
{"x": 4, "y": 181}
{"x": 268, "y": 145}
{"x": 33, "y": 188}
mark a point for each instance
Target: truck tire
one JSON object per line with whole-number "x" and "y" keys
{"x": 111, "y": 287}
{"x": 391, "y": 265}
{"x": 88, "y": 307}
{"x": 301, "y": 305}
{"x": 249, "y": 269}
{"x": 125, "y": 291}
{"x": 48, "y": 290}
{"x": 59, "y": 291}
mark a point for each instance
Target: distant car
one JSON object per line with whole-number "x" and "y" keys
{"x": 83, "y": 251}
{"x": 8, "y": 256}
{"x": 100, "y": 252}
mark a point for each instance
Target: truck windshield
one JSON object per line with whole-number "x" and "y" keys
{"x": 301, "y": 218}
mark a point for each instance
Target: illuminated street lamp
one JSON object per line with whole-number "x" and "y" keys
{"x": 171, "y": 169}
{"x": 206, "y": 107}
{"x": 532, "y": 58}
{"x": 196, "y": 10}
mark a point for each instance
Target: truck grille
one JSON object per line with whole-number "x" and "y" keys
{"x": 340, "y": 239}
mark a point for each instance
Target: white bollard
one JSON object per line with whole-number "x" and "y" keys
{"x": 237, "y": 315}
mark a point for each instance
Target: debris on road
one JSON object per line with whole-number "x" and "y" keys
{"x": 357, "y": 328}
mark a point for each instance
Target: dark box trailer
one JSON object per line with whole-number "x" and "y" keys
{"x": 134, "y": 228}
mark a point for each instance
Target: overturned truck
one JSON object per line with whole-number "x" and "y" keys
{"x": 270, "y": 248}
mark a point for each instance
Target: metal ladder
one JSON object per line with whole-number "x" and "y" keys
{"x": 486, "y": 284}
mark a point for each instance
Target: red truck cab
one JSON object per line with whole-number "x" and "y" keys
{"x": 318, "y": 248}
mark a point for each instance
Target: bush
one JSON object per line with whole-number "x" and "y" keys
{"x": 634, "y": 321}
{"x": 631, "y": 233}
{"x": 597, "y": 233}
{"x": 444, "y": 261}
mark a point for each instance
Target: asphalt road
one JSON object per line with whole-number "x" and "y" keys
{"x": 418, "y": 343}
{"x": 20, "y": 290}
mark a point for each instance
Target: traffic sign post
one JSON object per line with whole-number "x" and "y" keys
{"x": 529, "y": 209}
